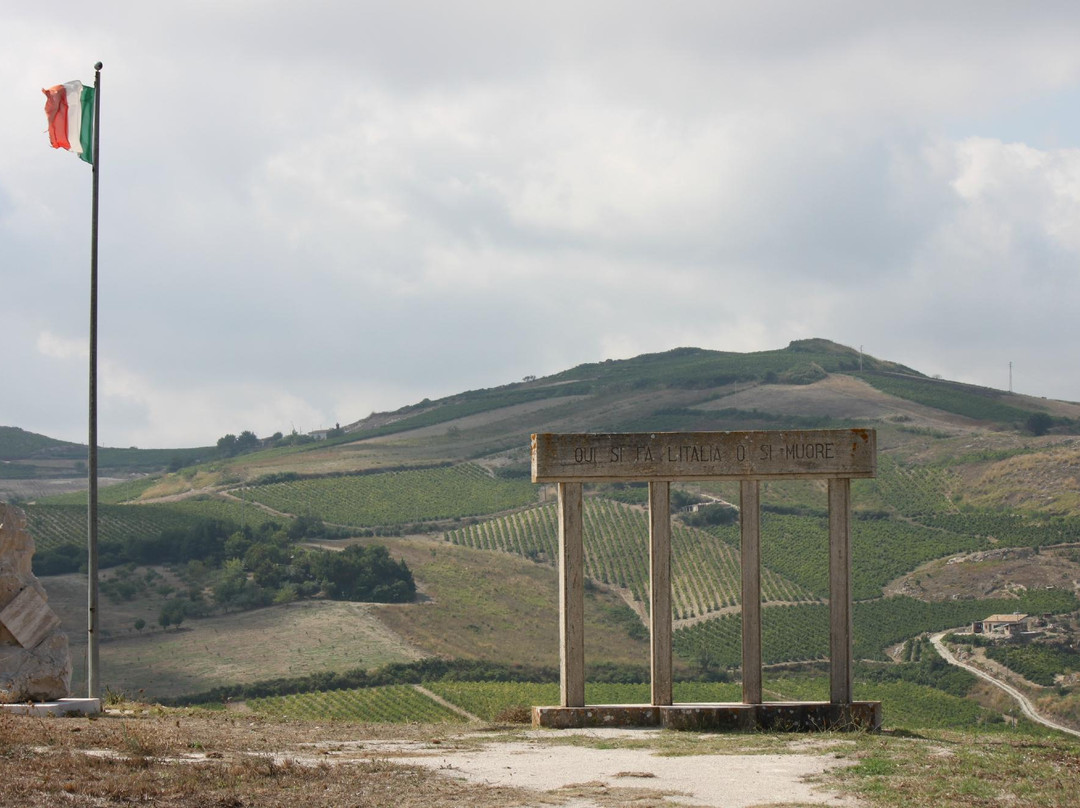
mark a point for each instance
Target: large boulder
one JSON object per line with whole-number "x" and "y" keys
{"x": 35, "y": 662}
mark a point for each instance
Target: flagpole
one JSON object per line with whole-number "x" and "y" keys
{"x": 92, "y": 683}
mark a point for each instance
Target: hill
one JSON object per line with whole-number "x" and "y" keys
{"x": 444, "y": 484}
{"x": 33, "y": 465}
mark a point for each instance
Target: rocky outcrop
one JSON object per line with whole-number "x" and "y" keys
{"x": 35, "y": 663}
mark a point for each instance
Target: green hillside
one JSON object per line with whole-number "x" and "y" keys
{"x": 27, "y": 455}
{"x": 18, "y": 444}
{"x": 444, "y": 486}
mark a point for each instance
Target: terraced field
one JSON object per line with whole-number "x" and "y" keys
{"x": 55, "y": 525}
{"x": 904, "y": 704}
{"x": 395, "y": 498}
{"x": 705, "y": 572}
{"x": 801, "y": 632}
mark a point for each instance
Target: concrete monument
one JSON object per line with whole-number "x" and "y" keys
{"x": 660, "y": 458}
{"x": 35, "y": 663}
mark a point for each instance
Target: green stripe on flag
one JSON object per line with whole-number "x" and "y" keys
{"x": 86, "y": 127}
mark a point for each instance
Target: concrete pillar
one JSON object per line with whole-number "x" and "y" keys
{"x": 750, "y": 526}
{"x": 660, "y": 590}
{"x": 840, "y": 646}
{"x": 571, "y": 597}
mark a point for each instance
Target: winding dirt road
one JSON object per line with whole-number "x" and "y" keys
{"x": 1025, "y": 704}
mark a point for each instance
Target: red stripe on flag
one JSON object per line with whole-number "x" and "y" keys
{"x": 56, "y": 110}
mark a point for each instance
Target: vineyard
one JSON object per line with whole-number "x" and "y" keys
{"x": 490, "y": 700}
{"x": 1008, "y": 528}
{"x": 979, "y": 403}
{"x": 904, "y": 704}
{"x": 924, "y": 494}
{"x": 395, "y": 498}
{"x": 54, "y": 525}
{"x": 1040, "y": 664}
{"x": 797, "y": 547}
{"x": 705, "y": 573}
{"x": 394, "y": 704}
{"x": 222, "y": 508}
{"x": 801, "y": 632}
{"x": 915, "y": 491}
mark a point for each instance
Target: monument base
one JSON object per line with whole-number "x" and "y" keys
{"x": 60, "y": 707}
{"x": 797, "y": 716}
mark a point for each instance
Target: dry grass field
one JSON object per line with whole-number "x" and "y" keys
{"x": 174, "y": 760}
{"x": 472, "y": 605}
{"x": 496, "y": 606}
{"x": 136, "y": 754}
{"x": 290, "y": 640}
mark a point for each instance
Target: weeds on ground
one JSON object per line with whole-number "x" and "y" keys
{"x": 175, "y": 759}
{"x": 938, "y": 767}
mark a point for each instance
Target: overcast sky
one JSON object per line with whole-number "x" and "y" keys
{"x": 311, "y": 211}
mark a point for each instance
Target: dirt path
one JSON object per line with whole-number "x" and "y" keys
{"x": 1025, "y": 704}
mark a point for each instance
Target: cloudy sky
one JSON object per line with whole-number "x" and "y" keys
{"x": 310, "y": 211}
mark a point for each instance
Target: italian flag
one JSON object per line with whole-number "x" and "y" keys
{"x": 70, "y": 110}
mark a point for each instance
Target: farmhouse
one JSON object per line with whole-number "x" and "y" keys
{"x": 1003, "y": 625}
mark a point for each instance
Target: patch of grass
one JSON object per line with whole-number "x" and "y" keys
{"x": 972, "y": 401}
{"x": 496, "y": 606}
{"x": 318, "y": 636}
{"x": 962, "y": 769}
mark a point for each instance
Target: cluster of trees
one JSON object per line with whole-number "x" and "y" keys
{"x": 247, "y": 441}
{"x": 225, "y": 566}
{"x": 231, "y": 445}
{"x": 267, "y": 566}
{"x": 709, "y": 515}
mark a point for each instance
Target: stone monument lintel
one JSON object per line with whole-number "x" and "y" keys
{"x": 694, "y": 456}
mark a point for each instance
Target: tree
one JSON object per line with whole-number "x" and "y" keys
{"x": 140, "y": 624}
{"x": 172, "y": 613}
{"x": 231, "y": 583}
{"x": 247, "y": 441}
{"x": 227, "y": 445}
{"x": 1039, "y": 423}
{"x": 236, "y": 545}
{"x": 306, "y": 526}
{"x": 364, "y": 574}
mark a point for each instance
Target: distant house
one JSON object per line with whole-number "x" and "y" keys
{"x": 319, "y": 434}
{"x": 1003, "y": 625}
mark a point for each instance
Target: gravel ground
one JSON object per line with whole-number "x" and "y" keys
{"x": 594, "y": 777}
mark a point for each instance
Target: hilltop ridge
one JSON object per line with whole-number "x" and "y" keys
{"x": 812, "y": 382}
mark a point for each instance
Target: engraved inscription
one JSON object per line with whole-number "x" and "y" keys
{"x": 705, "y": 455}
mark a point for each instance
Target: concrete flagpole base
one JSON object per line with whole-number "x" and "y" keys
{"x": 60, "y": 707}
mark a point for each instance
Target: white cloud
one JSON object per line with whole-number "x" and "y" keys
{"x": 312, "y": 211}
{"x": 57, "y": 347}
